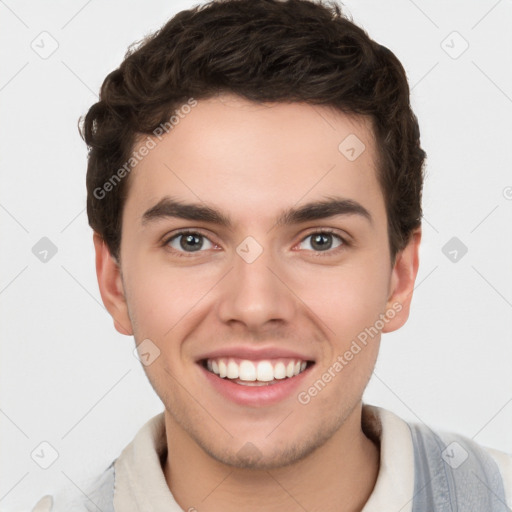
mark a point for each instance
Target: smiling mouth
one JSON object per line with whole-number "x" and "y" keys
{"x": 256, "y": 373}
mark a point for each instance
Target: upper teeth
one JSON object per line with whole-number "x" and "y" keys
{"x": 263, "y": 371}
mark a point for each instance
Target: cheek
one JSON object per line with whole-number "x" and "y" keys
{"x": 348, "y": 298}
{"x": 164, "y": 297}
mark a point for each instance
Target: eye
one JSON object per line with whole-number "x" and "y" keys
{"x": 322, "y": 241}
{"x": 187, "y": 242}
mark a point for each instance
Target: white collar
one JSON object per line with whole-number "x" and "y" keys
{"x": 140, "y": 482}
{"x": 394, "y": 488}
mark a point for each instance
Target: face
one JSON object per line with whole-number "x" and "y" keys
{"x": 254, "y": 246}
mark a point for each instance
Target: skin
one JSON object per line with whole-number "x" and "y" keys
{"x": 252, "y": 161}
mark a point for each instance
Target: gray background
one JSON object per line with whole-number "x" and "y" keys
{"x": 70, "y": 380}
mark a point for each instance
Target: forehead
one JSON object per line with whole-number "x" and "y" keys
{"x": 253, "y": 159}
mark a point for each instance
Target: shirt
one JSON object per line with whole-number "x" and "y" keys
{"x": 140, "y": 483}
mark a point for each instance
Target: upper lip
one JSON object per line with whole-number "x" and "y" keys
{"x": 253, "y": 353}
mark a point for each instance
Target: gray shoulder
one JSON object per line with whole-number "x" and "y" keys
{"x": 98, "y": 494}
{"x": 453, "y": 466}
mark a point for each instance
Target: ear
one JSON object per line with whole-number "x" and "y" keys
{"x": 402, "y": 282}
{"x": 111, "y": 286}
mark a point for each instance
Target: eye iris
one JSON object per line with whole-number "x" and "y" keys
{"x": 318, "y": 241}
{"x": 185, "y": 239}
{"x": 193, "y": 242}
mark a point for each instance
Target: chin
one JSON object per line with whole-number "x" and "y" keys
{"x": 251, "y": 457}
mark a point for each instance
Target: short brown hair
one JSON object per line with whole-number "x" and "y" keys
{"x": 264, "y": 51}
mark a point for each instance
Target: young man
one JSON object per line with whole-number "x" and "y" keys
{"x": 254, "y": 187}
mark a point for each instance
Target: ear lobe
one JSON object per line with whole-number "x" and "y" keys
{"x": 402, "y": 282}
{"x": 111, "y": 286}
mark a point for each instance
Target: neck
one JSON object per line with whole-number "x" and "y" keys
{"x": 338, "y": 476}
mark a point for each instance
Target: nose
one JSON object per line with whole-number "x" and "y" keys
{"x": 256, "y": 293}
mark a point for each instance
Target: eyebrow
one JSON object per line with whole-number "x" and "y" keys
{"x": 316, "y": 210}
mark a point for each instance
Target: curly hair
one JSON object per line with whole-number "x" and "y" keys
{"x": 264, "y": 51}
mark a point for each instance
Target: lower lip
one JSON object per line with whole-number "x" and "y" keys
{"x": 255, "y": 395}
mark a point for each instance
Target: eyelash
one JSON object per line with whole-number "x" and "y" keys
{"x": 326, "y": 231}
